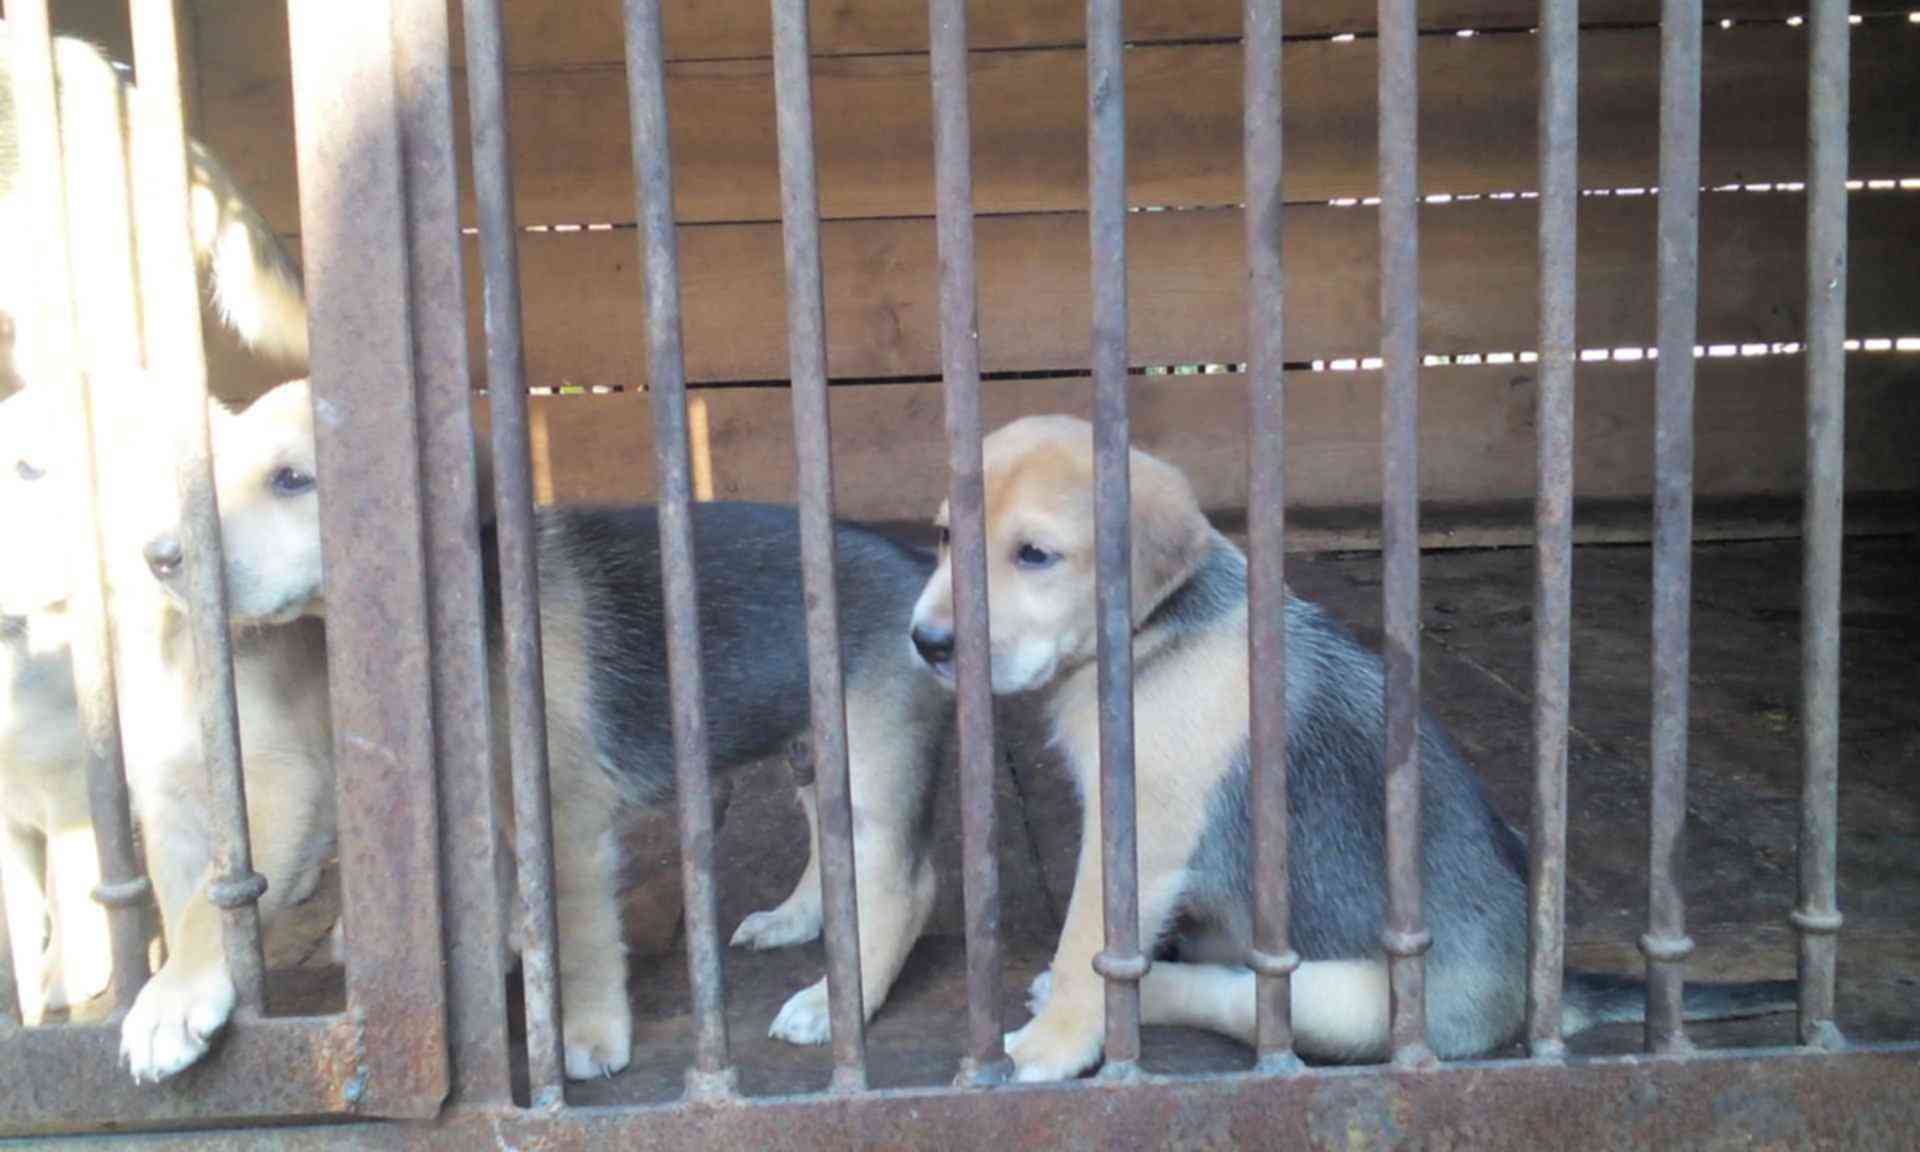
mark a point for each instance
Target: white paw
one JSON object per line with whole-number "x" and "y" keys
{"x": 781, "y": 927}
{"x": 1039, "y": 991}
{"x": 173, "y": 1020}
{"x": 1054, "y": 1046}
{"x": 597, "y": 1045}
{"x": 805, "y": 1018}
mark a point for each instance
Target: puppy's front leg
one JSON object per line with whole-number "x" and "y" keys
{"x": 596, "y": 1018}
{"x": 83, "y": 942}
{"x": 1065, "y": 1038}
{"x": 797, "y": 919}
{"x": 22, "y": 879}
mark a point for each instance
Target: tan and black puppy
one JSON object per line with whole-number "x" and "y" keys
{"x": 1191, "y": 722}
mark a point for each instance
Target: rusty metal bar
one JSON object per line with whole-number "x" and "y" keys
{"x": 517, "y": 536}
{"x": 711, "y": 1074}
{"x": 1405, "y": 937}
{"x": 1859, "y": 1098}
{"x": 124, "y": 888}
{"x": 176, "y": 354}
{"x": 456, "y": 610}
{"x": 813, "y": 446}
{"x": 1818, "y": 916}
{"x": 1122, "y": 963}
{"x": 1273, "y": 957}
{"x": 1665, "y": 943}
{"x": 70, "y": 1079}
{"x": 353, "y": 215}
{"x": 1553, "y": 521}
{"x": 986, "y": 1059}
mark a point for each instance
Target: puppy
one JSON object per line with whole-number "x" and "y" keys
{"x": 609, "y": 721}
{"x": 48, "y": 864}
{"x": 254, "y": 285}
{"x": 1191, "y": 718}
{"x": 280, "y": 676}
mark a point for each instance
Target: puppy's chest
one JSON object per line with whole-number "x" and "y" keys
{"x": 39, "y": 728}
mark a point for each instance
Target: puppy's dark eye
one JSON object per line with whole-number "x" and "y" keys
{"x": 291, "y": 481}
{"x": 29, "y": 471}
{"x": 1034, "y": 556}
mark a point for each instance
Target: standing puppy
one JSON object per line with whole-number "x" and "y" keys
{"x": 609, "y": 718}
{"x": 1191, "y": 718}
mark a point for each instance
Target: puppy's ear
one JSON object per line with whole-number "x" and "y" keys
{"x": 1170, "y": 533}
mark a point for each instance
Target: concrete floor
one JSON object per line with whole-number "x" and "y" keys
{"x": 1743, "y": 815}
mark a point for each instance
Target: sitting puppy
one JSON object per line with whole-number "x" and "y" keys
{"x": 279, "y": 673}
{"x": 1191, "y": 718}
{"x": 609, "y": 734}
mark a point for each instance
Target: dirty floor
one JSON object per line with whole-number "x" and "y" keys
{"x": 1743, "y": 816}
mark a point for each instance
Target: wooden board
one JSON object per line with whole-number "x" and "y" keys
{"x": 544, "y": 34}
{"x": 872, "y": 116}
{"x": 585, "y": 319}
{"x": 1477, "y": 436}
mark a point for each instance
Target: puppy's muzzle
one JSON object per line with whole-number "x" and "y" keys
{"x": 164, "y": 557}
{"x": 935, "y": 645}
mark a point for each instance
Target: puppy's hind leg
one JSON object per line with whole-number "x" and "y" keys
{"x": 1340, "y": 1007}
{"x": 894, "y": 746}
{"x": 797, "y": 919}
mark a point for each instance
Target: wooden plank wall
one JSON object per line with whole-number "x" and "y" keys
{"x": 585, "y": 317}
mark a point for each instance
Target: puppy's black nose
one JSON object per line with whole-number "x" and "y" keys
{"x": 163, "y": 556}
{"x": 935, "y": 645}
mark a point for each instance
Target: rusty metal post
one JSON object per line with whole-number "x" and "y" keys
{"x": 711, "y": 1074}
{"x": 813, "y": 446}
{"x": 1818, "y": 916}
{"x": 519, "y": 574}
{"x": 38, "y": 111}
{"x": 1553, "y": 521}
{"x": 462, "y": 727}
{"x": 1665, "y": 943}
{"x": 1405, "y": 938}
{"x": 353, "y": 224}
{"x": 176, "y": 354}
{"x": 1122, "y": 963}
{"x": 986, "y": 1059}
{"x": 1273, "y": 957}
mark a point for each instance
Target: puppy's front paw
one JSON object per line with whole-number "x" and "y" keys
{"x": 1055, "y": 1045}
{"x": 1039, "y": 992}
{"x": 780, "y": 927}
{"x": 597, "y": 1044}
{"x": 173, "y": 1020}
{"x": 805, "y": 1018}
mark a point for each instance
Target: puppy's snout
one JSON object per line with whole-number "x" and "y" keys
{"x": 935, "y": 644}
{"x": 164, "y": 556}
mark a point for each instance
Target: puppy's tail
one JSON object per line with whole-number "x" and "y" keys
{"x": 256, "y": 287}
{"x": 1594, "y": 998}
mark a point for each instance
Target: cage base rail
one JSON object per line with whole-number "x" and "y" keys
{"x": 1863, "y": 1097}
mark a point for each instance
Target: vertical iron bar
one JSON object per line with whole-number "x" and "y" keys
{"x": 39, "y": 112}
{"x": 1553, "y": 521}
{"x": 667, "y": 384}
{"x": 1405, "y": 938}
{"x": 1665, "y": 943}
{"x": 813, "y": 445}
{"x": 1273, "y": 957}
{"x": 519, "y": 575}
{"x": 1122, "y": 963}
{"x": 171, "y": 302}
{"x": 986, "y": 1059}
{"x": 456, "y": 610}
{"x": 1818, "y": 916}
{"x": 353, "y": 225}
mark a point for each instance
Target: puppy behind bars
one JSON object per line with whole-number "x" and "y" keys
{"x": 1195, "y": 842}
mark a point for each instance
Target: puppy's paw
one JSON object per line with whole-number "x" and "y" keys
{"x": 597, "y": 1045}
{"x": 1055, "y": 1045}
{"x": 780, "y": 927}
{"x": 1039, "y": 992}
{"x": 173, "y": 1020}
{"x": 805, "y": 1018}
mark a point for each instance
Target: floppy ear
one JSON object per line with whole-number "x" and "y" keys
{"x": 1170, "y": 533}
